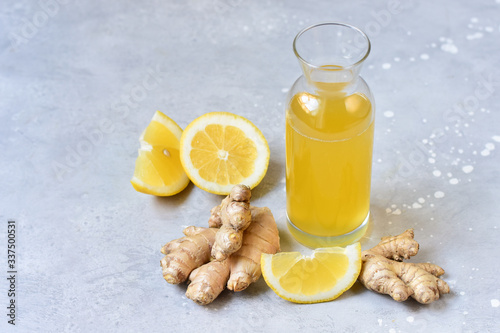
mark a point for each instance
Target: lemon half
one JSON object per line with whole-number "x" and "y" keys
{"x": 221, "y": 149}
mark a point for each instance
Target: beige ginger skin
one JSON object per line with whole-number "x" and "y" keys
{"x": 232, "y": 216}
{"x": 383, "y": 271}
{"x": 185, "y": 254}
{"x": 261, "y": 237}
{"x": 240, "y": 269}
{"x": 225, "y": 255}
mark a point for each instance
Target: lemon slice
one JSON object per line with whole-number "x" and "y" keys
{"x": 321, "y": 277}
{"x": 221, "y": 149}
{"x": 158, "y": 169}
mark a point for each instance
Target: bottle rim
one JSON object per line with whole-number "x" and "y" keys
{"x": 365, "y": 37}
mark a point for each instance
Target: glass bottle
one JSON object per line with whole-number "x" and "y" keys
{"x": 329, "y": 138}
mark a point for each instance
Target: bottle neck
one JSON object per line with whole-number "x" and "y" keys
{"x": 331, "y": 77}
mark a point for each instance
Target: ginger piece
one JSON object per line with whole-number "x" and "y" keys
{"x": 261, "y": 237}
{"x": 229, "y": 256}
{"x": 242, "y": 267}
{"x": 215, "y": 220}
{"x": 187, "y": 253}
{"x": 208, "y": 281}
{"x": 233, "y": 216}
{"x": 384, "y": 272}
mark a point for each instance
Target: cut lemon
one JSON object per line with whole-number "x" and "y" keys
{"x": 322, "y": 276}
{"x": 221, "y": 149}
{"x": 158, "y": 169}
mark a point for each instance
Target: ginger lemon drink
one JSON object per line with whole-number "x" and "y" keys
{"x": 329, "y": 139}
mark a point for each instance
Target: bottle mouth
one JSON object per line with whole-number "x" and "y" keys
{"x": 331, "y": 44}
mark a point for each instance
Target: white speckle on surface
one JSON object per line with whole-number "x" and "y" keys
{"x": 284, "y": 90}
{"x": 488, "y": 29}
{"x": 397, "y": 59}
{"x": 436, "y": 173}
{"x": 465, "y": 313}
{"x": 495, "y": 303}
{"x": 449, "y": 47}
{"x": 386, "y": 65}
{"x": 476, "y": 35}
{"x": 474, "y": 19}
{"x": 431, "y": 160}
{"x": 453, "y": 181}
{"x": 485, "y": 152}
{"x": 490, "y": 146}
{"x": 462, "y": 293}
{"x": 393, "y": 206}
{"x": 410, "y": 319}
{"x": 388, "y": 210}
{"x": 412, "y": 59}
{"x": 496, "y": 138}
{"x": 467, "y": 168}
{"x": 424, "y": 56}
{"x": 397, "y": 212}
{"x": 421, "y": 200}
{"x": 379, "y": 322}
{"x": 416, "y": 205}
{"x": 438, "y": 194}
{"x": 392, "y": 330}
{"x": 388, "y": 114}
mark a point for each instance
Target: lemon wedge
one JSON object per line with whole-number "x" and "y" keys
{"x": 221, "y": 149}
{"x": 322, "y": 276}
{"x": 158, "y": 169}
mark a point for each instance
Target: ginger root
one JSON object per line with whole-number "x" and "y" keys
{"x": 187, "y": 253}
{"x": 241, "y": 268}
{"x": 208, "y": 281}
{"x": 383, "y": 271}
{"x": 233, "y": 266}
{"x": 261, "y": 237}
{"x": 233, "y": 216}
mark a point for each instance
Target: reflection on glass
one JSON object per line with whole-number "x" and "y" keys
{"x": 309, "y": 103}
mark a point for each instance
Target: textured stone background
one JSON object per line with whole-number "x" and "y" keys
{"x": 79, "y": 81}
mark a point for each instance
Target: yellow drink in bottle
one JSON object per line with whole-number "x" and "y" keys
{"x": 329, "y": 138}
